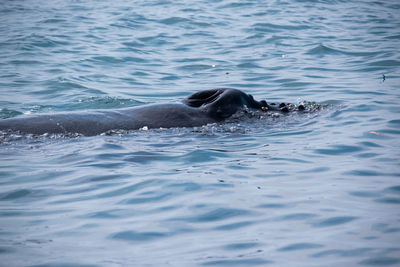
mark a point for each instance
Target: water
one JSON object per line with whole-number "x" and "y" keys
{"x": 319, "y": 189}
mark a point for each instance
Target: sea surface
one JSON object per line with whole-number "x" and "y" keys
{"x": 315, "y": 189}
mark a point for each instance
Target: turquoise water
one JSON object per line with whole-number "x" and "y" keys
{"x": 315, "y": 189}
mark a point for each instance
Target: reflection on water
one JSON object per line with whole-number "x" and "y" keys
{"x": 316, "y": 188}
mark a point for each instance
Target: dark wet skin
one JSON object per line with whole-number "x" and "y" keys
{"x": 201, "y": 108}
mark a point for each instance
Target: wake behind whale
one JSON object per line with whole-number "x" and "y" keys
{"x": 201, "y": 108}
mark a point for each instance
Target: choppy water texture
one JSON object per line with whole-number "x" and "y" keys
{"x": 320, "y": 189}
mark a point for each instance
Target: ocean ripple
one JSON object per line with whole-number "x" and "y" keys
{"x": 313, "y": 188}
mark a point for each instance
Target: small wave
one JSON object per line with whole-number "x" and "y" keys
{"x": 52, "y": 21}
{"x": 106, "y": 59}
{"x": 14, "y": 194}
{"x": 269, "y": 27}
{"x": 300, "y": 246}
{"x": 137, "y": 22}
{"x": 388, "y": 200}
{"x": 393, "y": 189}
{"x": 195, "y": 67}
{"x": 396, "y": 36}
{"x": 238, "y": 262}
{"x": 8, "y": 113}
{"x": 239, "y": 246}
{"x": 133, "y": 236}
{"x": 343, "y": 252}
{"x": 134, "y": 45}
{"x": 25, "y": 62}
{"x": 57, "y": 87}
{"x": 102, "y": 103}
{"x": 155, "y": 40}
{"x": 339, "y": 150}
{"x": 385, "y": 63}
{"x": 322, "y": 49}
{"x": 34, "y": 41}
{"x": 218, "y": 214}
{"x": 335, "y": 221}
{"x": 238, "y": 5}
{"x": 173, "y": 20}
{"x": 380, "y": 261}
{"x": 84, "y": 103}
{"x": 248, "y": 65}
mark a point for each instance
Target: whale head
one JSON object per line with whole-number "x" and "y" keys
{"x": 223, "y": 102}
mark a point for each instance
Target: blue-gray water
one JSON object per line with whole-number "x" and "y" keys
{"x": 318, "y": 189}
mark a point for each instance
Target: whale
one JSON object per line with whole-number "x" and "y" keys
{"x": 200, "y": 108}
